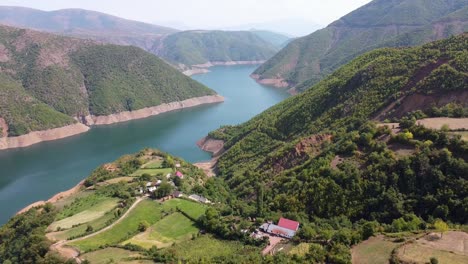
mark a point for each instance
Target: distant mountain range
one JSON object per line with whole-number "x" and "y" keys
{"x": 199, "y": 47}
{"x": 381, "y": 23}
{"x": 179, "y": 48}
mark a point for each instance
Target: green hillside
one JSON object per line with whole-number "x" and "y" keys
{"x": 199, "y": 47}
{"x": 380, "y": 23}
{"x": 46, "y": 80}
{"x": 317, "y": 154}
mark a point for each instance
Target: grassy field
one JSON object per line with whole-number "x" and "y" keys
{"x": 375, "y": 250}
{"x": 152, "y": 172}
{"x": 60, "y": 204}
{"x": 155, "y": 164}
{"x": 81, "y": 229}
{"x": 417, "y": 253}
{"x": 93, "y": 212}
{"x": 81, "y": 204}
{"x": 119, "y": 179}
{"x": 146, "y": 210}
{"x": 207, "y": 246}
{"x": 172, "y": 228}
{"x": 116, "y": 255}
{"x": 193, "y": 209}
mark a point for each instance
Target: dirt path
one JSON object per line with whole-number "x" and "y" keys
{"x": 273, "y": 242}
{"x": 70, "y": 252}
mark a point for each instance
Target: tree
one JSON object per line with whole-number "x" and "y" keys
{"x": 163, "y": 190}
{"x": 441, "y": 226}
{"x": 260, "y": 194}
{"x": 89, "y": 228}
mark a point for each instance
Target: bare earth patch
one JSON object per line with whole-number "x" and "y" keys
{"x": 451, "y": 248}
{"x": 438, "y": 122}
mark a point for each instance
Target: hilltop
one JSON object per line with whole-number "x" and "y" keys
{"x": 85, "y": 24}
{"x": 307, "y": 60}
{"x": 50, "y": 81}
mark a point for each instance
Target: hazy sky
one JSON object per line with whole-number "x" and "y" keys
{"x": 207, "y": 13}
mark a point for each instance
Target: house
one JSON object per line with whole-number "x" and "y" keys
{"x": 179, "y": 174}
{"x": 177, "y": 165}
{"x": 157, "y": 183}
{"x": 168, "y": 175}
{"x": 285, "y": 228}
{"x": 288, "y": 224}
{"x": 199, "y": 198}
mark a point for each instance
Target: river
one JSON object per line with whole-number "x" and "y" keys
{"x": 42, "y": 170}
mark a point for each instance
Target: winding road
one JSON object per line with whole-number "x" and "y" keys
{"x": 71, "y": 252}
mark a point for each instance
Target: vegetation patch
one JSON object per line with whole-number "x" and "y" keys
{"x": 208, "y": 247}
{"x": 173, "y": 228}
{"x": 112, "y": 255}
{"x": 145, "y": 211}
{"x": 94, "y": 211}
{"x": 375, "y": 250}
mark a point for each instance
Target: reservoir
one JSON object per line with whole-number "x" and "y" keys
{"x": 42, "y": 170}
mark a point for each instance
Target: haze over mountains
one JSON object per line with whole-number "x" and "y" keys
{"x": 181, "y": 49}
{"x": 380, "y": 23}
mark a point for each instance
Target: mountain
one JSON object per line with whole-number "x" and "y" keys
{"x": 85, "y": 24}
{"x": 186, "y": 48}
{"x": 201, "y": 47}
{"x": 380, "y": 23}
{"x": 320, "y": 153}
{"x": 48, "y": 81}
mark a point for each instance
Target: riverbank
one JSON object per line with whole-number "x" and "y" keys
{"x": 40, "y": 136}
{"x": 275, "y": 82}
{"x": 75, "y": 129}
{"x": 216, "y": 148}
{"x": 55, "y": 198}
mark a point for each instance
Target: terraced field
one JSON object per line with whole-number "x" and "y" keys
{"x": 146, "y": 210}
{"x": 94, "y": 212}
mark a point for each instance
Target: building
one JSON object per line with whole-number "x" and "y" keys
{"x": 199, "y": 198}
{"x": 288, "y": 224}
{"x": 285, "y": 228}
{"x": 179, "y": 174}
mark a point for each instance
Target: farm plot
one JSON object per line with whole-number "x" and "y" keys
{"x": 113, "y": 255}
{"x": 146, "y": 211}
{"x": 373, "y": 250}
{"x": 449, "y": 249}
{"x": 97, "y": 208}
{"x": 173, "y": 228}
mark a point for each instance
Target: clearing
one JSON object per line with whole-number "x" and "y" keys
{"x": 113, "y": 255}
{"x": 146, "y": 210}
{"x": 451, "y": 248}
{"x": 93, "y": 212}
{"x": 438, "y": 122}
{"x": 173, "y": 228}
{"x": 375, "y": 250}
{"x": 206, "y": 246}
{"x": 152, "y": 172}
{"x": 463, "y": 134}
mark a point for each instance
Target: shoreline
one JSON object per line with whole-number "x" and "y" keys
{"x": 216, "y": 148}
{"x": 35, "y": 137}
{"x": 55, "y": 198}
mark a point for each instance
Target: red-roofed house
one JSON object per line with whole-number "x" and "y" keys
{"x": 288, "y": 224}
{"x": 179, "y": 174}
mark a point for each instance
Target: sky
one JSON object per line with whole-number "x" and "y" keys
{"x": 208, "y": 14}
